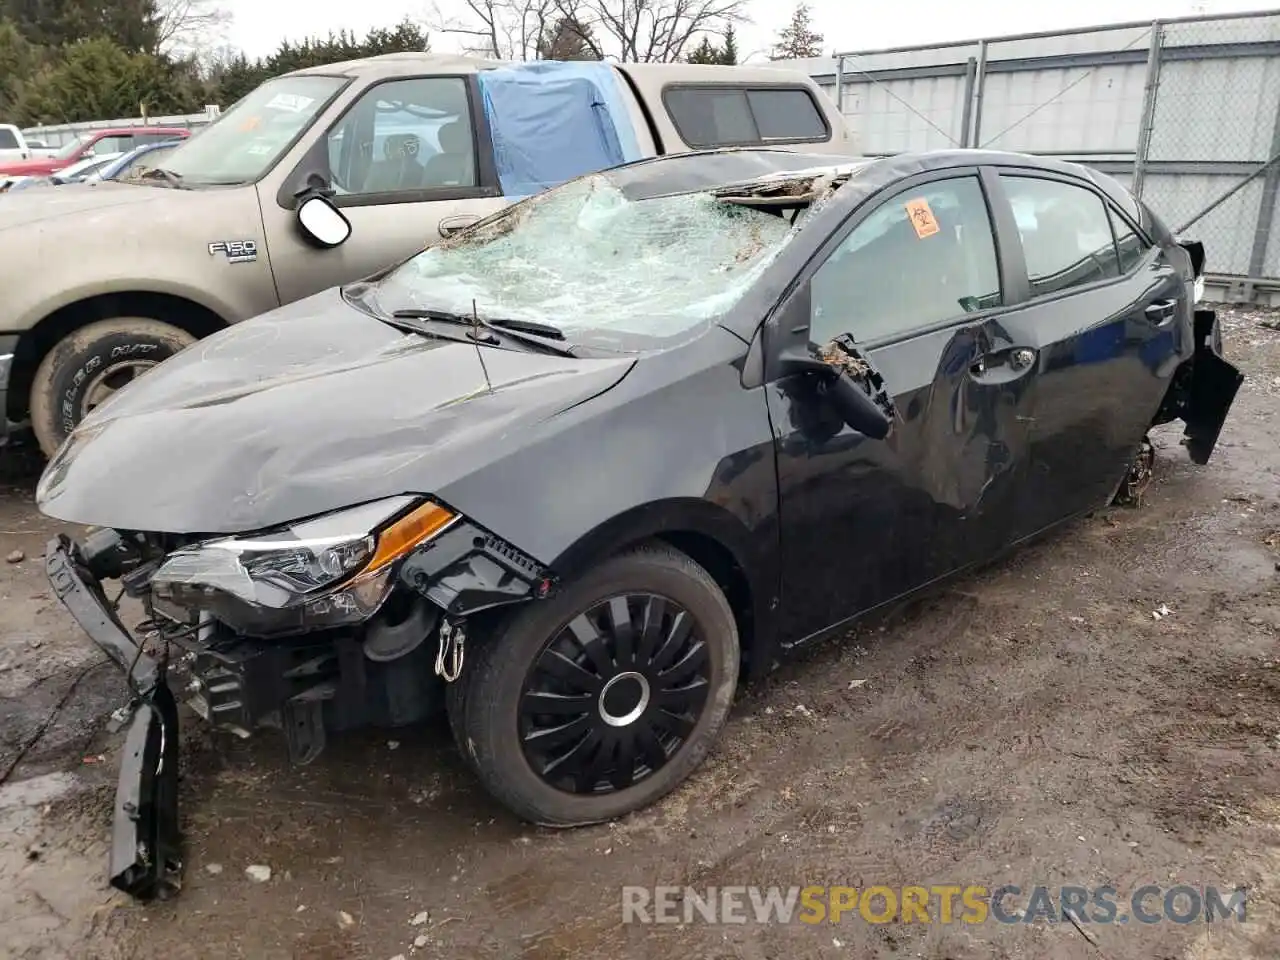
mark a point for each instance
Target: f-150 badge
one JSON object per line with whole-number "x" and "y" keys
{"x": 236, "y": 251}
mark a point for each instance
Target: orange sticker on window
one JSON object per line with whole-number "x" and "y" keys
{"x": 922, "y": 218}
{"x": 251, "y": 123}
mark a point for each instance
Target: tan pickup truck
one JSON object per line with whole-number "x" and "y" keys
{"x": 322, "y": 177}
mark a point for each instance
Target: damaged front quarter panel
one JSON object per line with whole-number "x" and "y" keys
{"x": 469, "y": 570}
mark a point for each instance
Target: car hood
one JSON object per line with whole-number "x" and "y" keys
{"x": 23, "y": 209}
{"x": 306, "y": 409}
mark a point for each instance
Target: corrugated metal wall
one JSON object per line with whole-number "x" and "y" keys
{"x": 1208, "y": 87}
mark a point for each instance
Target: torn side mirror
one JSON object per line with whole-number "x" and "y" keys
{"x": 321, "y": 223}
{"x": 857, "y": 394}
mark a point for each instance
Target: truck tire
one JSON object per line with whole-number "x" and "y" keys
{"x": 673, "y": 639}
{"x": 90, "y": 364}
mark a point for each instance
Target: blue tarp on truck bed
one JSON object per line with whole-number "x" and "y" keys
{"x": 551, "y": 122}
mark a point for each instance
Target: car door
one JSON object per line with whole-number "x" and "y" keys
{"x": 408, "y": 162}
{"x": 1104, "y": 305}
{"x": 917, "y": 283}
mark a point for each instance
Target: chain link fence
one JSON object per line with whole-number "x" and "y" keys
{"x": 1185, "y": 111}
{"x": 1208, "y": 164}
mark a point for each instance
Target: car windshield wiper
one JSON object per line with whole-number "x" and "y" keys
{"x": 529, "y": 331}
{"x": 502, "y": 323}
{"x": 160, "y": 173}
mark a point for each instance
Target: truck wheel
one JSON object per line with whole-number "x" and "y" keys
{"x": 90, "y": 364}
{"x": 604, "y": 698}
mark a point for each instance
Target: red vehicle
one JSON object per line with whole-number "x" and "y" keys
{"x": 107, "y": 140}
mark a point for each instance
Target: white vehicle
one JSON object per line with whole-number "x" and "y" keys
{"x": 14, "y": 146}
{"x": 39, "y": 148}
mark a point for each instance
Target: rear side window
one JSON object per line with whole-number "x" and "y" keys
{"x": 724, "y": 116}
{"x": 7, "y": 140}
{"x": 1066, "y": 234}
{"x": 1130, "y": 245}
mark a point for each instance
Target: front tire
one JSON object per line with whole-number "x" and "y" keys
{"x": 90, "y": 364}
{"x": 604, "y": 698}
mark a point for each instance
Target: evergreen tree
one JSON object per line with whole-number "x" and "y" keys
{"x": 132, "y": 24}
{"x": 726, "y": 54}
{"x": 798, "y": 39}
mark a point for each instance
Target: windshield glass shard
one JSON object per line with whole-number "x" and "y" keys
{"x": 596, "y": 265}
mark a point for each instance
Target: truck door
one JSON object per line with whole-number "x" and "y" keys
{"x": 408, "y": 162}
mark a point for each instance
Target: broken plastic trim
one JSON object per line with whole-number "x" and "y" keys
{"x": 145, "y": 859}
{"x": 468, "y": 570}
{"x": 1210, "y": 390}
{"x": 843, "y": 354}
{"x": 146, "y": 846}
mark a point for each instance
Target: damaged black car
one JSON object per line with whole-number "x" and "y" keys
{"x": 571, "y": 474}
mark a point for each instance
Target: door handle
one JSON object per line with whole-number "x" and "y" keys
{"x": 451, "y": 225}
{"x": 1162, "y": 311}
{"x": 1017, "y": 360}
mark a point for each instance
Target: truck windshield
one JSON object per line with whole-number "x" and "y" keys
{"x": 246, "y": 141}
{"x": 623, "y": 274}
{"x": 71, "y": 148}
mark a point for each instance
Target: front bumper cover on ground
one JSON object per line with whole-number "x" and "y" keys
{"x": 145, "y": 841}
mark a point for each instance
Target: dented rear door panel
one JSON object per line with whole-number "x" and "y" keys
{"x": 865, "y": 521}
{"x": 1105, "y": 364}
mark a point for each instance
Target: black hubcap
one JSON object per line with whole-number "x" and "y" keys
{"x": 615, "y": 694}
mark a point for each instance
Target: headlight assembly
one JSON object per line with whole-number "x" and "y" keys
{"x": 327, "y": 572}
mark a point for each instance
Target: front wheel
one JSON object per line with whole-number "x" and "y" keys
{"x": 604, "y": 698}
{"x": 88, "y": 365}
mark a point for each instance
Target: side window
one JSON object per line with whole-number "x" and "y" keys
{"x": 925, "y": 255}
{"x": 141, "y": 138}
{"x": 7, "y": 140}
{"x": 404, "y": 136}
{"x": 721, "y": 116}
{"x": 783, "y": 114}
{"x": 1129, "y": 243}
{"x": 113, "y": 144}
{"x": 1065, "y": 233}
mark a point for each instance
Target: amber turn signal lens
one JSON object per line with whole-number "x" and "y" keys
{"x": 413, "y": 528}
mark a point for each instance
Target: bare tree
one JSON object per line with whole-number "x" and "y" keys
{"x": 653, "y": 30}
{"x": 502, "y": 29}
{"x": 628, "y": 30}
{"x": 191, "y": 26}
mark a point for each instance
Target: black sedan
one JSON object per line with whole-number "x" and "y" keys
{"x": 574, "y": 472}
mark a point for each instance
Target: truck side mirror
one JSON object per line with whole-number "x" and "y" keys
{"x": 321, "y": 223}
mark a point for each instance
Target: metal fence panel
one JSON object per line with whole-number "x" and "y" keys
{"x": 921, "y": 113}
{"x": 1185, "y": 111}
{"x": 1063, "y": 111}
{"x": 1227, "y": 230}
{"x": 1219, "y": 109}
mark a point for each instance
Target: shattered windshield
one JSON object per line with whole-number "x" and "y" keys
{"x": 597, "y": 265}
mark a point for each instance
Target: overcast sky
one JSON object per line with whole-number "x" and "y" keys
{"x": 259, "y": 25}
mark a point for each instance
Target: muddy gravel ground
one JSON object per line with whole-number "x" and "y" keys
{"x": 1033, "y": 723}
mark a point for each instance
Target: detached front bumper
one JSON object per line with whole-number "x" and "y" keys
{"x": 145, "y": 841}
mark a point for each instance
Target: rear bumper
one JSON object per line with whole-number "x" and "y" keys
{"x": 145, "y": 859}
{"x": 1210, "y": 391}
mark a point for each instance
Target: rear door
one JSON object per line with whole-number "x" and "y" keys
{"x": 409, "y": 161}
{"x": 917, "y": 283}
{"x": 1103, "y": 318}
